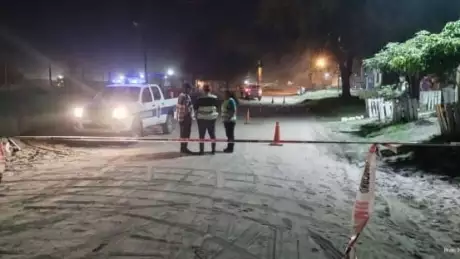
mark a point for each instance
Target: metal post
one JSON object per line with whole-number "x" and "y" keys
{"x": 259, "y": 73}
{"x": 338, "y": 79}
{"x": 144, "y": 49}
{"x": 50, "y": 75}
{"x": 6, "y": 74}
{"x": 146, "y": 75}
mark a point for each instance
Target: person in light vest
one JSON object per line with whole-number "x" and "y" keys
{"x": 228, "y": 113}
{"x": 206, "y": 115}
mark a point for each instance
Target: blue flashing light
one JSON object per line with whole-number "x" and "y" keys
{"x": 117, "y": 81}
{"x": 136, "y": 81}
{"x": 129, "y": 80}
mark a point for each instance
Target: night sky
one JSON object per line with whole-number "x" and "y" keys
{"x": 100, "y": 35}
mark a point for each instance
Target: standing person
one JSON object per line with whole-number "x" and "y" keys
{"x": 206, "y": 115}
{"x": 229, "y": 118}
{"x": 184, "y": 115}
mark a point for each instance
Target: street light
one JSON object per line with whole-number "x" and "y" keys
{"x": 321, "y": 62}
{"x": 170, "y": 72}
{"x": 60, "y": 76}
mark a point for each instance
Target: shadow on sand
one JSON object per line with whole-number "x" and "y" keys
{"x": 167, "y": 155}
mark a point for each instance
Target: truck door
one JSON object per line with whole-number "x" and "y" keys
{"x": 148, "y": 111}
{"x": 160, "y": 104}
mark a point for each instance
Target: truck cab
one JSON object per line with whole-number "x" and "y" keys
{"x": 132, "y": 109}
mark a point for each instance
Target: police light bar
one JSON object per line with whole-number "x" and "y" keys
{"x": 128, "y": 80}
{"x": 135, "y": 80}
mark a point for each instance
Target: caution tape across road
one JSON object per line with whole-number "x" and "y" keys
{"x": 266, "y": 141}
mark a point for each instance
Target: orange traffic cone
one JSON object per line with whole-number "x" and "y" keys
{"x": 248, "y": 117}
{"x": 276, "y": 137}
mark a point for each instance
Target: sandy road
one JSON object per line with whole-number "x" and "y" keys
{"x": 148, "y": 201}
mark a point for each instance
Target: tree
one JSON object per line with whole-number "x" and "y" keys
{"x": 352, "y": 28}
{"x": 332, "y": 24}
{"x": 442, "y": 53}
{"x": 404, "y": 58}
{"x": 425, "y": 53}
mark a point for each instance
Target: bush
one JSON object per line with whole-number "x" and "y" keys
{"x": 25, "y": 112}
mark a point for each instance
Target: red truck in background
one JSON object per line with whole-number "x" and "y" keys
{"x": 251, "y": 91}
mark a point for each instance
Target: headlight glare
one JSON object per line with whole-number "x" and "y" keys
{"x": 120, "y": 113}
{"x": 78, "y": 112}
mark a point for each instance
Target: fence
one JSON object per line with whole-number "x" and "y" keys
{"x": 378, "y": 108}
{"x": 449, "y": 118}
{"x": 450, "y": 95}
{"x": 392, "y": 110}
{"x": 398, "y": 109}
{"x": 429, "y": 100}
{"x": 448, "y": 113}
{"x": 443, "y": 102}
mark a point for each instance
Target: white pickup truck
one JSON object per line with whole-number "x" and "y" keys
{"x": 128, "y": 109}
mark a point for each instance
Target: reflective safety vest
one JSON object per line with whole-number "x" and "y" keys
{"x": 225, "y": 115}
{"x": 207, "y": 107}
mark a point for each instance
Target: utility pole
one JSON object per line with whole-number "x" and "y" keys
{"x": 144, "y": 49}
{"x": 6, "y": 74}
{"x": 259, "y": 73}
{"x": 50, "y": 75}
{"x": 144, "y": 46}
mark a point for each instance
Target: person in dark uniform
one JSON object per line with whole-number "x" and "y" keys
{"x": 184, "y": 116}
{"x": 206, "y": 114}
{"x": 228, "y": 112}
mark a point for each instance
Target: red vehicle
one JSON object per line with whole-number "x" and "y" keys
{"x": 251, "y": 91}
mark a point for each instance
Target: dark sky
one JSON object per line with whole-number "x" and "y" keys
{"x": 102, "y": 33}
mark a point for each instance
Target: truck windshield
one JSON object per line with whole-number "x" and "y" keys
{"x": 128, "y": 93}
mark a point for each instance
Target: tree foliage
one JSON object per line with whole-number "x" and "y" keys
{"x": 442, "y": 54}
{"x": 425, "y": 53}
{"x": 403, "y": 57}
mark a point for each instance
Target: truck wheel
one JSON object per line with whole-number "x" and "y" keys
{"x": 137, "y": 129}
{"x": 169, "y": 125}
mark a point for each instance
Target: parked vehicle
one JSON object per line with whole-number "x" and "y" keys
{"x": 251, "y": 91}
{"x": 130, "y": 109}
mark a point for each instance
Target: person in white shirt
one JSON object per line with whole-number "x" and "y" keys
{"x": 206, "y": 114}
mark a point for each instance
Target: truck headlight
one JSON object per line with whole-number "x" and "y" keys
{"x": 120, "y": 113}
{"x": 78, "y": 112}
